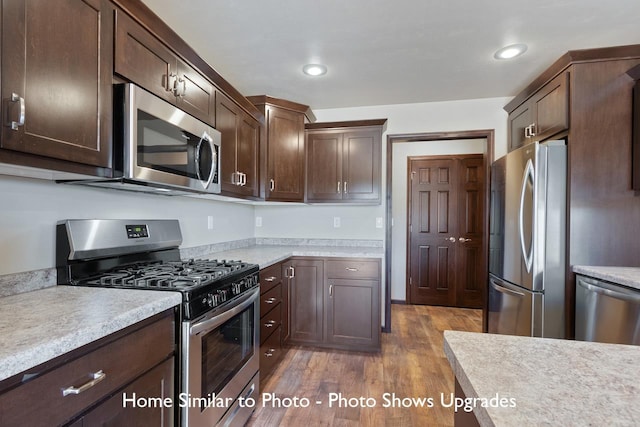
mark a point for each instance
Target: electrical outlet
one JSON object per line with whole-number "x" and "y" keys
{"x": 258, "y": 221}
{"x": 379, "y": 222}
{"x": 336, "y": 222}
{"x": 210, "y": 222}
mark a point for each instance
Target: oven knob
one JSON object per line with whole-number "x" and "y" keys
{"x": 212, "y": 300}
{"x": 222, "y": 295}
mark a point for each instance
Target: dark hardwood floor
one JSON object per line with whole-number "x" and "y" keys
{"x": 411, "y": 364}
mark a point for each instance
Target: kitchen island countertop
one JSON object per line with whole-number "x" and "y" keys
{"x": 38, "y": 326}
{"x": 553, "y": 382}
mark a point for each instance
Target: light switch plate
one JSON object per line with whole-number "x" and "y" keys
{"x": 258, "y": 221}
{"x": 336, "y": 222}
{"x": 210, "y": 222}
{"x": 379, "y": 222}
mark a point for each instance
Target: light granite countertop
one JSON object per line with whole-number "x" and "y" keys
{"x": 554, "y": 382}
{"x": 626, "y": 276}
{"x": 266, "y": 255}
{"x": 41, "y": 325}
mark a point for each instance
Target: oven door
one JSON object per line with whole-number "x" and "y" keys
{"x": 164, "y": 145}
{"x": 220, "y": 364}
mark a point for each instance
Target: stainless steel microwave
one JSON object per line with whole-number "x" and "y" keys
{"x": 158, "y": 145}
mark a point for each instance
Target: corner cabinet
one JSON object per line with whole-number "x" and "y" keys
{"x": 335, "y": 302}
{"x": 344, "y": 161}
{"x": 85, "y": 387}
{"x": 240, "y": 136}
{"x": 57, "y": 64}
{"x": 285, "y": 147}
{"x": 146, "y": 61}
{"x": 542, "y": 116}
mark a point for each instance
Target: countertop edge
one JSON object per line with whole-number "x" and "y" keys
{"x": 625, "y": 276}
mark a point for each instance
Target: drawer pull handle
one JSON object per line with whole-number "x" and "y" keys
{"x": 270, "y": 352}
{"x": 97, "y": 377}
{"x": 270, "y": 324}
{"x": 270, "y": 279}
{"x": 351, "y": 269}
{"x": 270, "y": 300}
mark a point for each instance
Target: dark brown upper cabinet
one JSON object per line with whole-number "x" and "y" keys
{"x": 57, "y": 64}
{"x": 284, "y": 154}
{"x": 240, "y": 149}
{"x": 143, "y": 59}
{"x": 344, "y": 161}
{"x": 542, "y": 116}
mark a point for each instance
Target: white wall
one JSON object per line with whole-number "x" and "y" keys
{"x": 401, "y": 151}
{"x": 30, "y": 209}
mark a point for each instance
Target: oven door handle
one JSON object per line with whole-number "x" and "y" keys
{"x": 208, "y": 324}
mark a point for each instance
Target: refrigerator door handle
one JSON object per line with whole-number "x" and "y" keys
{"x": 505, "y": 290}
{"x": 528, "y": 175}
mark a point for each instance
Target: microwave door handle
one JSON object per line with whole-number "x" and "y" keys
{"x": 206, "y": 137}
{"x": 528, "y": 255}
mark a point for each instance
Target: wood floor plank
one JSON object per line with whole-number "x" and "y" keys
{"x": 411, "y": 364}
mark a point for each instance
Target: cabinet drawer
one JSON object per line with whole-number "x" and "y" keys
{"x": 120, "y": 361}
{"x": 269, "y": 299}
{"x": 270, "y": 322}
{"x": 353, "y": 269}
{"x": 270, "y": 276}
{"x": 270, "y": 352}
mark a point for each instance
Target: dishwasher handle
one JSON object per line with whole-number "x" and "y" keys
{"x": 613, "y": 291}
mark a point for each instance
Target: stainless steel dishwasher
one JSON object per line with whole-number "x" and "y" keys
{"x": 606, "y": 312}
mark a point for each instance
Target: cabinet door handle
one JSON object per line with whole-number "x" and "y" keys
{"x": 17, "y": 98}
{"x": 243, "y": 178}
{"x": 526, "y": 132}
{"x": 270, "y": 279}
{"x": 184, "y": 87}
{"x": 450, "y": 239}
{"x": 351, "y": 269}
{"x": 171, "y": 82}
{"x": 330, "y": 290}
{"x": 462, "y": 239}
{"x": 345, "y": 187}
{"x": 270, "y": 352}
{"x": 293, "y": 272}
{"x": 270, "y": 324}
{"x": 96, "y": 378}
{"x": 272, "y": 184}
{"x": 532, "y": 130}
{"x": 235, "y": 178}
{"x": 338, "y": 187}
{"x": 270, "y": 300}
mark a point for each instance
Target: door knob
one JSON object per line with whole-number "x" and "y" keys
{"x": 450, "y": 239}
{"x": 462, "y": 239}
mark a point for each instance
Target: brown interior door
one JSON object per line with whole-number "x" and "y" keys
{"x": 445, "y": 237}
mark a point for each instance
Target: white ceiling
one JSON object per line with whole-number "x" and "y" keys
{"x": 391, "y": 51}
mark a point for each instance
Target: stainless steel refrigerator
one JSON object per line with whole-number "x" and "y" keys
{"x": 527, "y": 241}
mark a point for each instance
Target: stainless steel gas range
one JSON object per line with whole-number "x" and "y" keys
{"x": 218, "y": 356}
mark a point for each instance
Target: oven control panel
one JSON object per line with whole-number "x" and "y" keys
{"x": 137, "y": 231}
{"x": 224, "y": 293}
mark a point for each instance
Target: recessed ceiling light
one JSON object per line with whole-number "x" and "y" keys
{"x": 510, "y": 51}
{"x": 314, "y": 69}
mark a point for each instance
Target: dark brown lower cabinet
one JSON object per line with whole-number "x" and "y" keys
{"x": 273, "y": 318}
{"x": 460, "y": 417}
{"x": 335, "y": 302}
{"x": 157, "y": 383}
{"x": 138, "y": 359}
